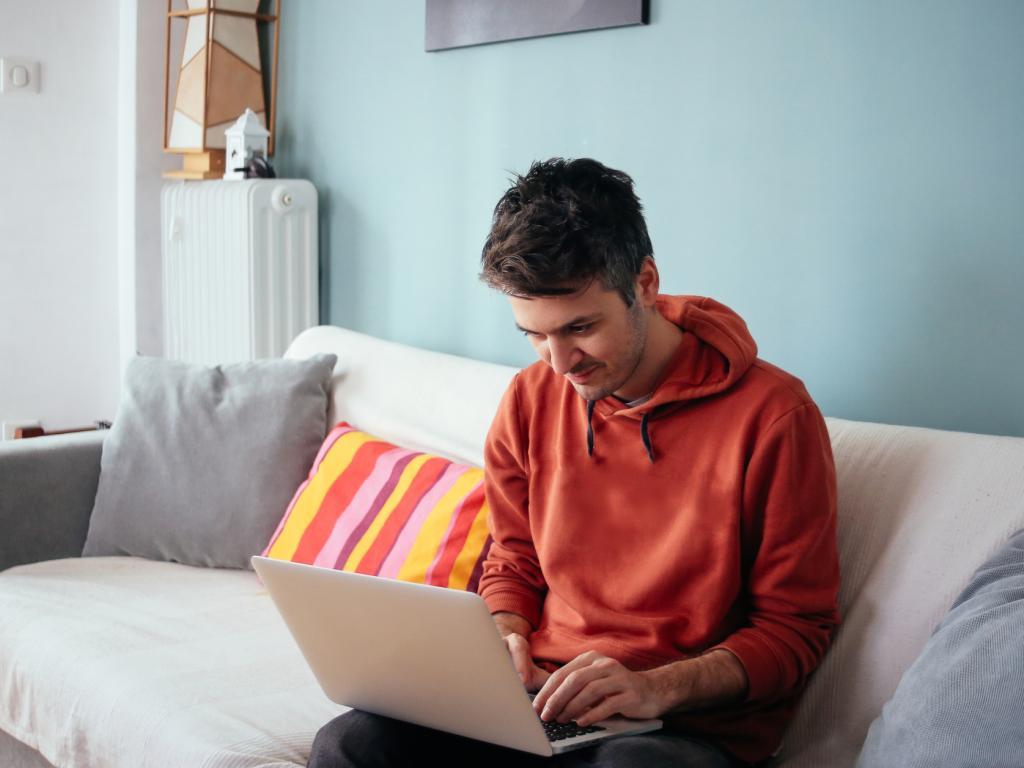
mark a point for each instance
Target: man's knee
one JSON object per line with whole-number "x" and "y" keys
{"x": 661, "y": 750}
{"x": 351, "y": 739}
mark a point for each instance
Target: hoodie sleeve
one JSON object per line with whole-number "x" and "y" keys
{"x": 512, "y": 578}
{"x": 790, "y": 553}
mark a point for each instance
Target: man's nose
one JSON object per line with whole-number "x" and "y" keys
{"x": 563, "y": 355}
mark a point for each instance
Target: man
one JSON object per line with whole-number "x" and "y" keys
{"x": 662, "y": 501}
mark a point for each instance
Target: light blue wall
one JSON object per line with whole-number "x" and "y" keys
{"x": 849, "y": 176}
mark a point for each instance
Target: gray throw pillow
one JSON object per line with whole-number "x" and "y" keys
{"x": 201, "y": 462}
{"x": 961, "y": 703}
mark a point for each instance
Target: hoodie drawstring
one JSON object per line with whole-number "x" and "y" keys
{"x": 644, "y": 434}
{"x": 646, "y": 437}
{"x": 590, "y": 427}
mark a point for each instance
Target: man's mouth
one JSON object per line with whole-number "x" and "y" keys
{"x": 582, "y": 376}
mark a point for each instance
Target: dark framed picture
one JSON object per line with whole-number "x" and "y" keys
{"x": 460, "y": 23}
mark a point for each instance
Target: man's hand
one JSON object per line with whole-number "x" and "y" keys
{"x": 593, "y": 687}
{"x": 514, "y": 629}
{"x": 533, "y": 677}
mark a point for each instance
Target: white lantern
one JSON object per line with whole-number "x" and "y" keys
{"x": 245, "y": 140}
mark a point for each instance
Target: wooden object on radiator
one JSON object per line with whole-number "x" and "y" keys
{"x": 25, "y": 432}
{"x": 200, "y": 165}
{"x": 218, "y": 74}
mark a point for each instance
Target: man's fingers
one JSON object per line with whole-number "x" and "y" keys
{"x": 593, "y": 694}
{"x": 521, "y": 659}
{"x": 577, "y": 695}
{"x": 564, "y": 692}
{"x": 524, "y": 664}
{"x": 602, "y": 711}
{"x": 593, "y": 687}
{"x": 556, "y": 679}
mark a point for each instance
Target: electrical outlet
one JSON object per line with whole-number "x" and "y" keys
{"x": 19, "y": 76}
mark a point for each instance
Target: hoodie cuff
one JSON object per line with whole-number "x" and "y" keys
{"x": 764, "y": 673}
{"x": 514, "y": 602}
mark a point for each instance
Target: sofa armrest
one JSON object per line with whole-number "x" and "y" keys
{"x": 47, "y": 489}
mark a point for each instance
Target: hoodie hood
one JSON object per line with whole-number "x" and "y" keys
{"x": 716, "y": 351}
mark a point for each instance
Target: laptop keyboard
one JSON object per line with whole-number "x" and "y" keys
{"x": 558, "y": 731}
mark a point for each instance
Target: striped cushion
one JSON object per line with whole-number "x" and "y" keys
{"x": 371, "y": 507}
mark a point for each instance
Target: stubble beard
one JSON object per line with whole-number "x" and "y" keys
{"x": 637, "y": 344}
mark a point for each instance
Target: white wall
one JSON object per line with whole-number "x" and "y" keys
{"x": 142, "y": 161}
{"x": 73, "y": 194}
{"x": 58, "y": 224}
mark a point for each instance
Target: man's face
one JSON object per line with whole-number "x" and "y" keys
{"x": 591, "y": 337}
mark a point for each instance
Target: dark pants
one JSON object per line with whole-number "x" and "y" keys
{"x": 361, "y": 739}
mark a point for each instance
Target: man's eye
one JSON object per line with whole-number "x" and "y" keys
{"x": 578, "y": 328}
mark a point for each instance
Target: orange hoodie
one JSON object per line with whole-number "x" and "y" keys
{"x": 720, "y": 534}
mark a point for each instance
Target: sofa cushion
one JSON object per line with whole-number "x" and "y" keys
{"x": 919, "y": 511}
{"x": 418, "y": 398}
{"x": 961, "y": 703}
{"x": 372, "y": 507}
{"x": 124, "y": 662}
{"x": 202, "y": 460}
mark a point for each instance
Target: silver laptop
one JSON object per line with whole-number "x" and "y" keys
{"x": 426, "y": 655}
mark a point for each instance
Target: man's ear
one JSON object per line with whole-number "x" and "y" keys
{"x": 647, "y": 283}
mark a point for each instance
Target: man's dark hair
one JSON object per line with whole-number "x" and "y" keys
{"x": 563, "y": 224}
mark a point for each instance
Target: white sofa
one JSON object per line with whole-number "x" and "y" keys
{"x": 126, "y": 662}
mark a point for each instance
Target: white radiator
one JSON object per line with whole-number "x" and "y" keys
{"x": 240, "y": 268}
